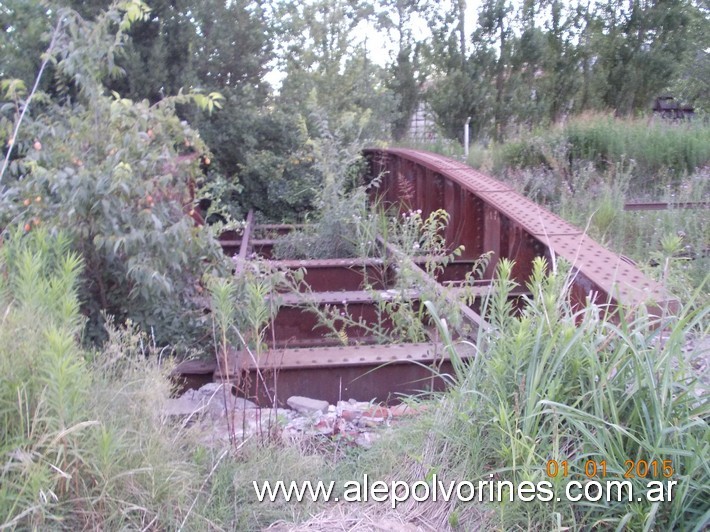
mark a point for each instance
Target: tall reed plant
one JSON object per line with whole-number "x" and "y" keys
{"x": 582, "y": 386}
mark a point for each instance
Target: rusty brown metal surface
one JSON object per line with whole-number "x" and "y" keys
{"x": 490, "y": 217}
{"x": 470, "y": 315}
{"x": 380, "y": 372}
{"x": 341, "y": 274}
{"x": 296, "y": 323}
{"x": 304, "y": 357}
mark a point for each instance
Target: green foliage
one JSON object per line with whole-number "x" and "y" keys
{"x": 215, "y": 45}
{"x": 328, "y": 70}
{"x": 652, "y": 147}
{"x": 24, "y": 37}
{"x": 533, "y": 64}
{"x": 278, "y": 173}
{"x": 82, "y": 438}
{"x": 117, "y": 176}
{"x": 559, "y": 384}
{"x": 646, "y": 148}
{"x": 341, "y": 200}
{"x": 522, "y": 153}
{"x": 334, "y": 235}
{"x": 264, "y": 156}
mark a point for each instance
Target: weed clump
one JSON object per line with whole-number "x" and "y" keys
{"x": 83, "y": 440}
{"x": 581, "y": 386}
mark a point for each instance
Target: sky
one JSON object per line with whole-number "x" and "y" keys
{"x": 379, "y": 45}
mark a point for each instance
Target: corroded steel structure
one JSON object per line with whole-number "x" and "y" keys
{"x": 485, "y": 216}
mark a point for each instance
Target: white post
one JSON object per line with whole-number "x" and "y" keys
{"x": 465, "y": 137}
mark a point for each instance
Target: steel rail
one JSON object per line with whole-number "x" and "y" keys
{"x": 665, "y": 205}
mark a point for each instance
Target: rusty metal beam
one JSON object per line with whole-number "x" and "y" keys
{"x": 379, "y": 372}
{"x": 343, "y": 297}
{"x": 485, "y": 216}
{"x": 475, "y": 319}
{"x": 341, "y": 274}
{"x": 511, "y": 226}
{"x": 246, "y": 235}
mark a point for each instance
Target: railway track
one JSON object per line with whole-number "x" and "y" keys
{"x": 486, "y": 216}
{"x": 665, "y": 205}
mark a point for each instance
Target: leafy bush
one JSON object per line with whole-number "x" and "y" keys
{"x": 266, "y": 153}
{"x": 522, "y": 153}
{"x": 342, "y": 216}
{"x": 117, "y": 176}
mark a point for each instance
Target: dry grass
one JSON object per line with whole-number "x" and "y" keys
{"x": 360, "y": 518}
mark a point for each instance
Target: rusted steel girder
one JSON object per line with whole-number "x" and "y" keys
{"x": 488, "y": 216}
{"x": 379, "y": 372}
{"x": 322, "y": 275}
{"x": 485, "y": 216}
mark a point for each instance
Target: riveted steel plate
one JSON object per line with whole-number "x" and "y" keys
{"x": 507, "y": 217}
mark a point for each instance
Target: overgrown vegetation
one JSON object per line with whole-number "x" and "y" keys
{"x": 117, "y": 176}
{"x": 579, "y": 386}
{"x": 96, "y": 192}
{"x": 649, "y": 150}
{"x": 84, "y": 444}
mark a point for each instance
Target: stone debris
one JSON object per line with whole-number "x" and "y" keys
{"x": 353, "y": 422}
{"x": 306, "y": 405}
{"x": 207, "y": 401}
{"x": 356, "y": 423}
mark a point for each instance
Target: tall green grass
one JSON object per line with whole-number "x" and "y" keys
{"x": 651, "y": 150}
{"x": 83, "y": 441}
{"x": 654, "y": 145}
{"x": 556, "y": 383}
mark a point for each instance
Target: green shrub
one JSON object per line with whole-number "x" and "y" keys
{"x": 116, "y": 176}
{"x": 82, "y": 439}
{"x": 522, "y": 153}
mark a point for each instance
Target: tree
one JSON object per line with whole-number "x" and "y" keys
{"x": 639, "y": 48}
{"x": 545, "y": 63}
{"x": 116, "y": 176}
{"x": 406, "y": 75}
{"x": 23, "y": 38}
{"x": 320, "y": 41}
{"x": 692, "y": 83}
{"x": 495, "y": 29}
{"x": 458, "y": 89}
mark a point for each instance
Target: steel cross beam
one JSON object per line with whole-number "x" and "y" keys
{"x": 485, "y": 216}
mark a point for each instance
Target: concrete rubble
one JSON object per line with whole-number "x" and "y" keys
{"x": 356, "y": 423}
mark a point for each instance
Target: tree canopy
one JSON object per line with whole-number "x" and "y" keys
{"x": 362, "y": 68}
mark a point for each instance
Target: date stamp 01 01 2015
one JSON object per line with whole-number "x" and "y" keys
{"x": 656, "y": 474}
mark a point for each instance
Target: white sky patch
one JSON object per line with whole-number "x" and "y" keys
{"x": 380, "y": 45}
